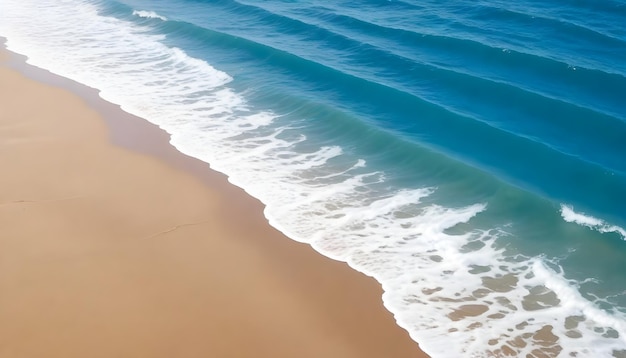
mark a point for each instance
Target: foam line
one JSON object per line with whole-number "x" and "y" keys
{"x": 149, "y": 15}
{"x": 569, "y": 215}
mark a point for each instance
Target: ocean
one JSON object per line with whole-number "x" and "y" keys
{"x": 468, "y": 155}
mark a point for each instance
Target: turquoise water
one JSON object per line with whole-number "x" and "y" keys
{"x": 463, "y": 154}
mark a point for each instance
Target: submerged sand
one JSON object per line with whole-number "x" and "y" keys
{"x": 112, "y": 244}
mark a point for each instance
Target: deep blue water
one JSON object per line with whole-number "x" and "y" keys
{"x": 459, "y": 152}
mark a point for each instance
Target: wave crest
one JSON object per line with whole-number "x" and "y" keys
{"x": 569, "y": 215}
{"x": 148, "y": 15}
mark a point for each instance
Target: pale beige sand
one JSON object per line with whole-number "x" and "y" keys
{"x": 107, "y": 251}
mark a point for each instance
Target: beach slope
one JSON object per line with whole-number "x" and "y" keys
{"x": 106, "y": 251}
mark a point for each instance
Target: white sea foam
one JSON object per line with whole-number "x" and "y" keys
{"x": 149, "y": 15}
{"x": 459, "y": 295}
{"x": 569, "y": 215}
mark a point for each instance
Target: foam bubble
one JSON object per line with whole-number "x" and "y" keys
{"x": 569, "y": 215}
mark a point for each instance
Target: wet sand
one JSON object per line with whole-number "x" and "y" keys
{"x": 113, "y": 244}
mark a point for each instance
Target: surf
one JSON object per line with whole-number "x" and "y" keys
{"x": 445, "y": 240}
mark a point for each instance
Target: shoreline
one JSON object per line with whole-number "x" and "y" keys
{"x": 339, "y": 306}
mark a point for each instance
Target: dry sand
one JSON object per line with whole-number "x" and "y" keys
{"x": 112, "y": 244}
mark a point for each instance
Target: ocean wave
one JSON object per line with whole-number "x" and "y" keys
{"x": 442, "y": 102}
{"x": 569, "y": 215}
{"x": 148, "y": 15}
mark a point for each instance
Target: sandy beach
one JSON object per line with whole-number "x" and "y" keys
{"x": 113, "y": 244}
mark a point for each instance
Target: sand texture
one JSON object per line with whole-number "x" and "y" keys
{"x": 112, "y": 244}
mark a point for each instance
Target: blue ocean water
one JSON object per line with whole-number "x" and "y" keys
{"x": 470, "y": 156}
